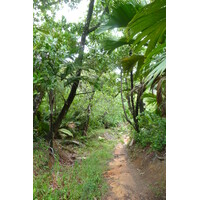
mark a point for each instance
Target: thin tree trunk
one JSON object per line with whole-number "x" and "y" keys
{"x": 54, "y": 102}
{"x": 128, "y": 98}
{"x": 139, "y": 101}
{"x": 136, "y": 125}
{"x": 106, "y": 125}
{"x": 137, "y": 104}
{"x": 37, "y": 101}
{"x": 132, "y": 101}
{"x": 131, "y": 78}
{"x": 127, "y": 119}
{"x": 50, "y": 135}
{"x": 141, "y": 106}
{"x": 51, "y": 101}
{"x": 78, "y": 73}
{"x": 88, "y": 113}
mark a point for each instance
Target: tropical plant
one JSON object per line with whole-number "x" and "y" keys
{"x": 153, "y": 131}
{"x": 146, "y": 34}
{"x": 94, "y": 74}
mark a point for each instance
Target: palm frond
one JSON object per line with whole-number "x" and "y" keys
{"x": 110, "y": 44}
{"x": 157, "y": 71}
{"x": 121, "y": 15}
{"x": 148, "y": 25}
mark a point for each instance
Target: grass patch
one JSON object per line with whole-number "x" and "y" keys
{"x": 84, "y": 180}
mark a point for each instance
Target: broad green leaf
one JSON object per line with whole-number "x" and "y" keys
{"x": 149, "y": 98}
{"x": 65, "y": 131}
{"x": 149, "y": 24}
{"x": 111, "y": 44}
{"x": 129, "y": 62}
{"x": 120, "y": 16}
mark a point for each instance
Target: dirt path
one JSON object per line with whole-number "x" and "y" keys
{"x": 124, "y": 180}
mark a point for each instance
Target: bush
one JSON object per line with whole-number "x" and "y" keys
{"x": 152, "y": 131}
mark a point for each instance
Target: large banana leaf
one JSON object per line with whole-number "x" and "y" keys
{"x": 148, "y": 25}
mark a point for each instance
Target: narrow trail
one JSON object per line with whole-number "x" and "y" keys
{"x": 123, "y": 178}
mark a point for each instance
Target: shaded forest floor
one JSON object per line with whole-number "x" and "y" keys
{"x": 100, "y": 167}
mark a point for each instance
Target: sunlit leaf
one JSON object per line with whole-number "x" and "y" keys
{"x": 65, "y": 131}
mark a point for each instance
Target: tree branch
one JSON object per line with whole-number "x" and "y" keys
{"x": 97, "y": 26}
{"x": 85, "y": 93}
{"x": 94, "y": 28}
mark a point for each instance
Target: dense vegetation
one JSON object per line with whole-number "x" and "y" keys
{"x": 83, "y": 181}
{"x": 104, "y": 71}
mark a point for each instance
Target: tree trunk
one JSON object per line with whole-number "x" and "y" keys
{"x": 137, "y": 104}
{"x": 54, "y": 103}
{"x": 135, "y": 110}
{"x": 50, "y": 135}
{"x": 37, "y": 101}
{"x": 141, "y": 106}
{"x": 126, "y": 117}
{"x": 78, "y": 73}
{"x": 128, "y": 98}
{"x": 106, "y": 125}
{"x": 132, "y": 100}
{"x": 88, "y": 114}
{"x": 51, "y": 101}
{"x": 66, "y": 106}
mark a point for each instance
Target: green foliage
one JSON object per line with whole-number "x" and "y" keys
{"x": 55, "y": 63}
{"x": 121, "y": 14}
{"x": 153, "y": 131}
{"x": 149, "y": 24}
{"x": 132, "y": 61}
{"x": 151, "y": 101}
{"x": 147, "y": 31}
{"x": 109, "y": 44}
{"x": 107, "y": 111}
{"x": 90, "y": 183}
{"x": 156, "y": 69}
{"x": 51, "y": 49}
{"x": 81, "y": 181}
{"x": 66, "y": 132}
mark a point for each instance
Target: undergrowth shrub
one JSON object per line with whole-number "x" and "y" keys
{"x": 84, "y": 180}
{"x": 152, "y": 131}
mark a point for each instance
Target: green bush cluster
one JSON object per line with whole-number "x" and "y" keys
{"x": 152, "y": 131}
